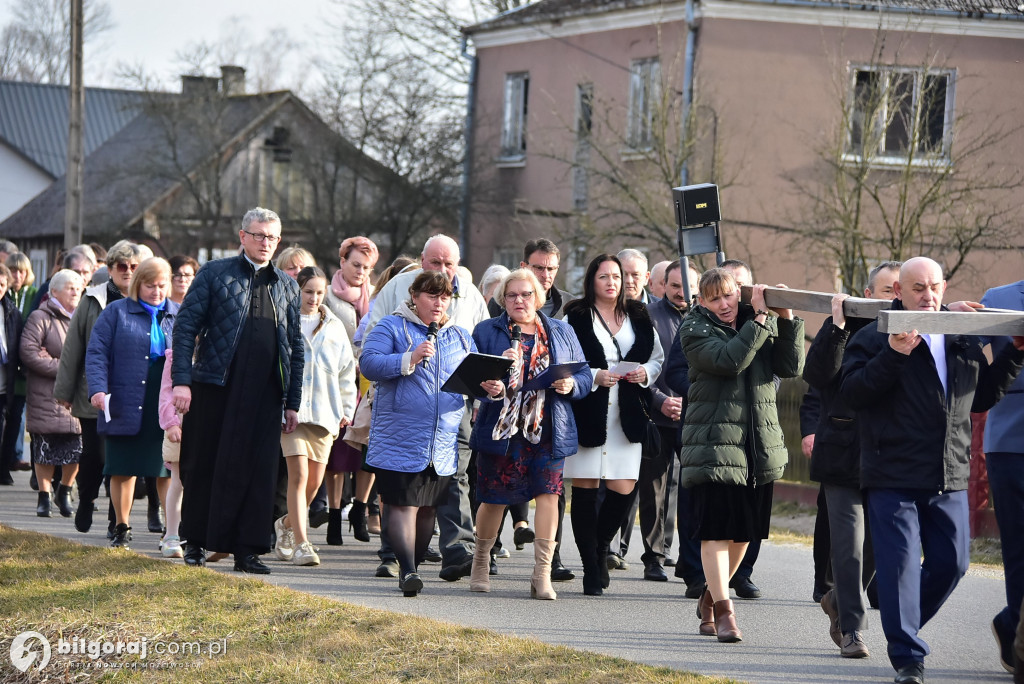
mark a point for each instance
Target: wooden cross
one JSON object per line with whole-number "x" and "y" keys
{"x": 983, "y": 322}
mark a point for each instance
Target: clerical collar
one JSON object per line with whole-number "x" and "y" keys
{"x": 255, "y": 267}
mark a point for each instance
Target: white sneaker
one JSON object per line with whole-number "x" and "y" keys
{"x": 344, "y": 511}
{"x": 305, "y": 555}
{"x": 284, "y": 547}
{"x": 503, "y": 553}
{"x": 172, "y": 547}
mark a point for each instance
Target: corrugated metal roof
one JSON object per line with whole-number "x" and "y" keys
{"x": 34, "y": 120}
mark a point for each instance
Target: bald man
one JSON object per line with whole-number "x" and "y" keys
{"x": 914, "y": 395}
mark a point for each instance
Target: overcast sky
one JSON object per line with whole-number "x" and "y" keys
{"x": 150, "y": 33}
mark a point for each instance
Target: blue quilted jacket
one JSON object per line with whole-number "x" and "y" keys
{"x": 215, "y": 309}
{"x": 492, "y": 337}
{"x": 117, "y": 361}
{"x": 414, "y": 423}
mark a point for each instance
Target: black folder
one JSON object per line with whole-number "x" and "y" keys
{"x": 473, "y": 370}
{"x": 552, "y": 373}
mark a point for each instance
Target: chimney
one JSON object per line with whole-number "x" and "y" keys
{"x": 198, "y": 86}
{"x": 232, "y": 80}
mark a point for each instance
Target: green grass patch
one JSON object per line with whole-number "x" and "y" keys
{"x": 272, "y": 634}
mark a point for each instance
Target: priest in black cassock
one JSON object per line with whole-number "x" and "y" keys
{"x": 237, "y": 363}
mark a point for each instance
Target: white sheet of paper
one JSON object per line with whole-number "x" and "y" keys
{"x": 624, "y": 367}
{"x": 106, "y": 407}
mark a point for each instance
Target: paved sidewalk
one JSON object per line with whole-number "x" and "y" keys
{"x": 785, "y": 634}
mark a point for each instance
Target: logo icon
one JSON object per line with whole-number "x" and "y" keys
{"x": 24, "y": 650}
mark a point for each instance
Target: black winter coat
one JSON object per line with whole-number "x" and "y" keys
{"x": 836, "y": 456}
{"x": 911, "y": 434}
{"x": 591, "y": 411}
{"x": 215, "y": 310}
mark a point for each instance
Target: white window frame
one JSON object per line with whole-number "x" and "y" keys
{"x": 644, "y": 93}
{"x": 888, "y": 158}
{"x": 513, "y": 121}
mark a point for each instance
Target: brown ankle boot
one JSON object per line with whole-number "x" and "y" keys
{"x": 540, "y": 582}
{"x": 706, "y": 613}
{"x": 725, "y": 622}
{"x": 480, "y": 577}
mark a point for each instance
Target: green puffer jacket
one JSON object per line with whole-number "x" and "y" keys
{"x": 731, "y": 433}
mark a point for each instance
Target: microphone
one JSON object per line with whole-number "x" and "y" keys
{"x": 432, "y": 336}
{"x": 517, "y": 335}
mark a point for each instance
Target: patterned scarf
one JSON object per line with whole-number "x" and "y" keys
{"x": 524, "y": 409}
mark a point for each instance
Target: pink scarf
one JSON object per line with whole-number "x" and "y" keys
{"x": 358, "y": 297}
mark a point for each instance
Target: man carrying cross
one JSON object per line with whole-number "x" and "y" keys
{"x": 914, "y": 395}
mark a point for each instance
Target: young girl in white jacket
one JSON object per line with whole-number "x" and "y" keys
{"x": 328, "y": 402}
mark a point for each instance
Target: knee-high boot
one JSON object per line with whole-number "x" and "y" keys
{"x": 584, "y": 528}
{"x": 480, "y": 575}
{"x": 609, "y": 521}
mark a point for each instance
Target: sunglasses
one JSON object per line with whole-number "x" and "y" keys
{"x": 124, "y": 267}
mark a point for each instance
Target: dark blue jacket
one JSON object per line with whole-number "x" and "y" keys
{"x": 492, "y": 337}
{"x": 215, "y": 310}
{"x": 117, "y": 362}
{"x": 912, "y": 435}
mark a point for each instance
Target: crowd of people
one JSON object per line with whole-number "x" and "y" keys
{"x": 249, "y": 397}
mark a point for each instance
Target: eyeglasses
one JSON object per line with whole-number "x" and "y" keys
{"x": 544, "y": 269}
{"x": 261, "y": 237}
{"x": 125, "y": 267}
{"x": 183, "y": 276}
{"x": 513, "y": 296}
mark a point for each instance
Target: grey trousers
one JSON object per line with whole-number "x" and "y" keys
{"x": 852, "y": 560}
{"x": 454, "y": 516}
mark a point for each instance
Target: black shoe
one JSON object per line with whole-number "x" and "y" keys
{"x": 456, "y": 571}
{"x": 122, "y": 535}
{"x": 411, "y": 584}
{"x": 616, "y": 562}
{"x": 33, "y": 482}
{"x": 387, "y": 568}
{"x": 522, "y": 536}
{"x": 669, "y": 563}
{"x": 83, "y": 516}
{"x": 251, "y": 564}
{"x": 819, "y": 591}
{"x": 560, "y": 573}
{"x": 910, "y": 674}
{"x": 744, "y": 588}
{"x": 318, "y": 516}
{"x": 653, "y": 572}
{"x": 1005, "y": 643}
{"x": 43, "y": 505}
{"x": 194, "y": 555}
{"x": 110, "y": 529}
{"x": 694, "y": 591}
{"x": 493, "y": 570}
{"x": 432, "y": 555}
{"x": 154, "y": 521}
{"x": 5, "y": 478}
{"x": 64, "y": 501}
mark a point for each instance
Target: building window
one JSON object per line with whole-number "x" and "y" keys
{"x": 584, "y": 125}
{"x": 644, "y": 92}
{"x": 899, "y": 113}
{"x": 513, "y": 127}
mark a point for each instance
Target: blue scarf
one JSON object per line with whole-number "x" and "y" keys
{"x": 157, "y": 339}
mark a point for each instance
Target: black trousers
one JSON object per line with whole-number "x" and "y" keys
{"x": 90, "y": 465}
{"x": 652, "y": 493}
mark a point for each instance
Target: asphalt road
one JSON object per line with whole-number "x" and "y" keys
{"x": 785, "y": 634}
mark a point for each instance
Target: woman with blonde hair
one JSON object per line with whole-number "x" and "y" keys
{"x": 293, "y": 259}
{"x": 124, "y": 363}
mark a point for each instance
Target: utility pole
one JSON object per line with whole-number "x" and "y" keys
{"x": 76, "y": 118}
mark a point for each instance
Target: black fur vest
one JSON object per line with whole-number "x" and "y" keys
{"x": 591, "y": 412}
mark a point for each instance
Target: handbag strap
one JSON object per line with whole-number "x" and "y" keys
{"x": 641, "y": 395}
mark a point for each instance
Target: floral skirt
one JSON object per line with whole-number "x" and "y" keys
{"x": 525, "y": 472}
{"x": 56, "y": 450}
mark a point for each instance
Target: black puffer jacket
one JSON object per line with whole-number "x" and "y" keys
{"x": 591, "y": 412}
{"x": 836, "y": 456}
{"x": 911, "y": 434}
{"x": 215, "y": 310}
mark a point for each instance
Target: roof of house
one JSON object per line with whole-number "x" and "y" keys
{"x": 138, "y": 166}
{"x": 551, "y": 10}
{"x": 34, "y": 120}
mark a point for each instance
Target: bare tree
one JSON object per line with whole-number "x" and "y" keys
{"x": 906, "y": 171}
{"x": 36, "y": 44}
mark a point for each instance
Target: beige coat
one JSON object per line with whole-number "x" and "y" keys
{"x": 41, "y": 345}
